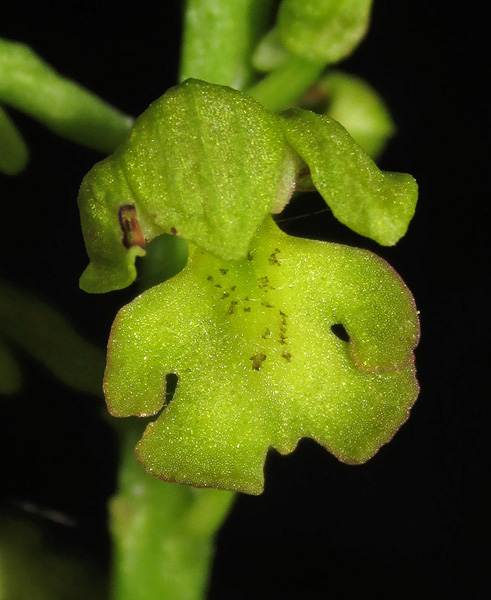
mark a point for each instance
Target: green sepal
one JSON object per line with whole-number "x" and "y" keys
{"x": 323, "y": 30}
{"x": 376, "y": 204}
{"x": 204, "y": 162}
{"x": 258, "y": 364}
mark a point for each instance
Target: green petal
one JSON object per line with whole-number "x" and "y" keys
{"x": 258, "y": 364}
{"x": 376, "y": 204}
{"x": 204, "y": 162}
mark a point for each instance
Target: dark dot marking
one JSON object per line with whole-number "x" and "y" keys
{"x": 340, "y": 332}
{"x": 217, "y": 285}
{"x": 128, "y": 221}
{"x": 249, "y": 256}
{"x": 267, "y": 333}
{"x": 233, "y": 288}
{"x": 246, "y": 299}
{"x": 282, "y": 334}
{"x": 209, "y": 278}
{"x": 247, "y": 309}
{"x": 267, "y": 305}
{"x": 223, "y": 271}
{"x": 173, "y": 230}
{"x": 287, "y": 356}
{"x": 231, "y": 308}
{"x": 257, "y": 361}
{"x": 264, "y": 283}
{"x": 273, "y": 259}
{"x": 225, "y": 295}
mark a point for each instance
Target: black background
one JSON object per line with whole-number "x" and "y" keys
{"x": 413, "y": 521}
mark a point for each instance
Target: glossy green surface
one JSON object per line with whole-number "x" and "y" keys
{"x": 258, "y": 364}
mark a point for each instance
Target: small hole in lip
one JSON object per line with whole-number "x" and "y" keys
{"x": 340, "y": 332}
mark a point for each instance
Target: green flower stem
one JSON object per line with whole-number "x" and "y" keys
{"x": 219, "y": 36}
{"x": 13, "y": 150}
{"x": 32, "y": 86}
{"x": 284, "y": 85}
{"x": 163, "y": 532}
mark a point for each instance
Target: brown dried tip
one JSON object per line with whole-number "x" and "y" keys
{"x": 132, "y": 234}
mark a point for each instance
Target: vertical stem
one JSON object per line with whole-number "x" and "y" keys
{"x": 285, "y": 84}
{"x": 163, "y": 532}
{"x": 219, "y": 37}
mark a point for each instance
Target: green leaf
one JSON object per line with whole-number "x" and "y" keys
{"x": 204, "y": 162}
{"x": 325, "y": 30}
{"x": 357, "y": 106}
{"x": 32, "y": 86}
{"x": 13, "y": 151}
{"x": 376, "y": 204}
{"x": 258, "y": 364}
{"x": 43, "y": 333}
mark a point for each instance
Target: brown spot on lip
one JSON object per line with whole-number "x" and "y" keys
{"x": 128, "y": 221}
{"x": 257, "y": 361}
{"x": 231, "y": 308}
{"x": 173, "y": 230}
